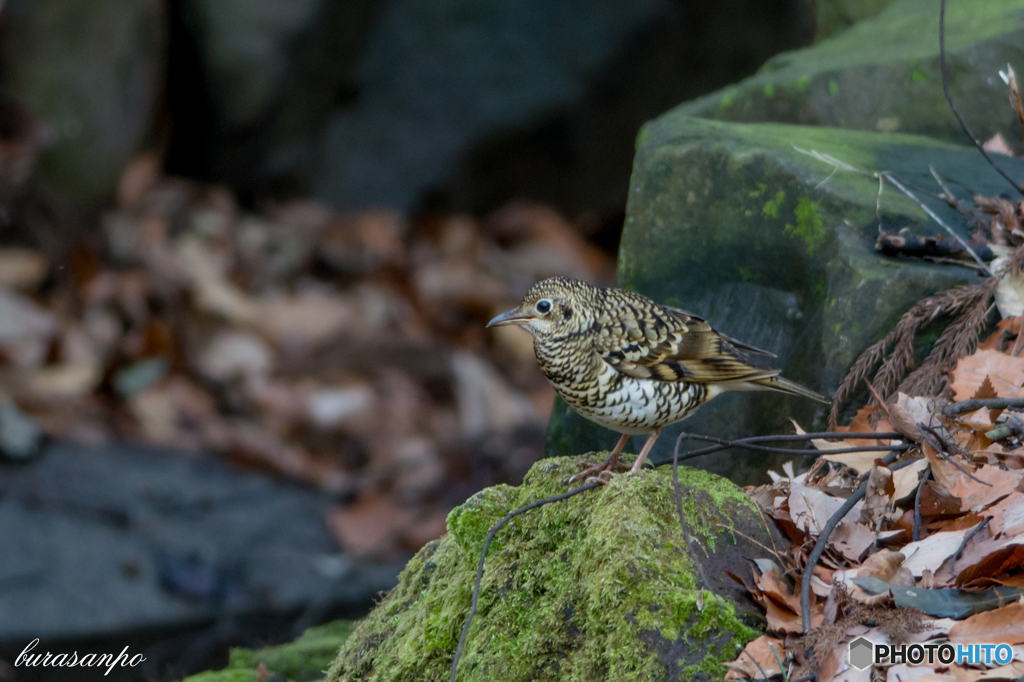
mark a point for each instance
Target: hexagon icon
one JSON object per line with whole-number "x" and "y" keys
{"x": 861, "y": 653}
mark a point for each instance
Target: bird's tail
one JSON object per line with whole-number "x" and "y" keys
{"x": 783, "y": 385}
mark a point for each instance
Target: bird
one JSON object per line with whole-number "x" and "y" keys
{"x": 632, "y": 365}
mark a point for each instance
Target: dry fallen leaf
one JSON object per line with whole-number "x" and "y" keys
{"x": 757, "y": 660}
{"x": 1004, "y": 371}
{"x": 877, "y": 497}
{"x": 975, "y": 495}
{"x": 1004, "y": 625}
{"x": 930, "y": 552}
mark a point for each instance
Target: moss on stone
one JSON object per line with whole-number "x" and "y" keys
{"x": 885, "y": 69}
{"x": 597, "y": 587}
{"x": 303, "y": 660}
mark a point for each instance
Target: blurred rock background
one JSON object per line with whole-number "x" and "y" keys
{"x": 247, "y": 250}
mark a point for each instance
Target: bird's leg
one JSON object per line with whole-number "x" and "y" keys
{"x": 646, "y": 450}
{"x": 609, "y": 464}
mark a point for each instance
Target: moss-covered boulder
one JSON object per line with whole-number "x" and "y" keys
{"x": 304, "y": 660}
{"x": 596, "y": 587}
{"x": 733, "y": 222}
{"x": 834, "y": 16}
{"x": 882, "y": 74}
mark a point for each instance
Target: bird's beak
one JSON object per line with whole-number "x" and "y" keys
{"x": 511, "y": 317}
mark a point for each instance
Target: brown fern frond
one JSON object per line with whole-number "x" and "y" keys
{"x": 896, "y": 364}
{"x": 957, "y": 341}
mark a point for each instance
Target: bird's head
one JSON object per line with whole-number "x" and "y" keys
{"x": 551, "y": 308}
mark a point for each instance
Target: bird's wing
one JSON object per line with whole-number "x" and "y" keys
{"x": 667, "y": 344}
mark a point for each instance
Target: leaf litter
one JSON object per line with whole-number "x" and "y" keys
{"x": 961, "y": 581}
{"x": 341, "y": 350}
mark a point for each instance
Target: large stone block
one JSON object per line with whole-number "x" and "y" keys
{"x": 735, "y": 223}
{"x": 882, "y": 74}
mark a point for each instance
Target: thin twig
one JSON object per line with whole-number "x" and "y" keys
{"x": 963, "y": 545}
{"x": 931, "y": 214}
{"x": 818, "y": 550}
{"x": 915, "y": 534}
{"x": 826, "y": 531}
{"x": 952, "y": 105}
{"x": 751, "y": 444}
{"x": 938, "y": 444}
{"x": 953, "y": 409}
{"x": 483, "y": 555}
{"x": 686, "y": 530}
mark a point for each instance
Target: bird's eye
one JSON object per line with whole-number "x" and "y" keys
{"x": 543, "y": 306}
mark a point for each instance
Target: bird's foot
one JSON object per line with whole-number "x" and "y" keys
{"x": 604, "y": 478}
{"x": 597, "y": 471}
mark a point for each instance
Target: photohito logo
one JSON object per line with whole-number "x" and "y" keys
{"x": 864, "y": 652}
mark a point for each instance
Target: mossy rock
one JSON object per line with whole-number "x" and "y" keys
{"x": 834, "y": 16}
{"x": 882, "y": 74}
{"x": 303, "y": 660}
{"x": 733, "y": 222}
{"x": 596, "y": 587}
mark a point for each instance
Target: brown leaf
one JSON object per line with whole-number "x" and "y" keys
{"x": 1001, "y": 626}
{"x": 852, "y": 540}
{"x": 877, "y": 497}
{"x": 371, "y": 526}
{"x": 811, "y": 509}
{"x": 936, "y": 501}
{"x": 906, "y": 480}
{"x": 782, "y": 607}
{"x": 942, "y": 470}
{"x": 757, "y": 660}
{"x": 989, "y": 558}
{"x": 1008, "y": 515}
{"x": 1015, "y": 100}
{"x": 139, "y": 176}
{"x": 1005, "y": 372}
{"x": 1006, "y": 330}
{"x": 22, "y": 268}
{"x": 976, "y": 495}
{"x": 932, "y": 551}
{"x": 1011, "y": 671}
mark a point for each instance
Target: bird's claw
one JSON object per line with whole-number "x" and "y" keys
{"x": 596, "y": 471}
{"x": 604, "y": 478}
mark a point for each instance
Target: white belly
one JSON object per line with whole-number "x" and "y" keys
{"x": 636, "y": 406}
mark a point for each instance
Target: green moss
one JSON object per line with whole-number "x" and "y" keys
{"x": 771, "y": 207}
{"x": 810, "y": 225}
{"x": 303, "y": 660}
{"x": 918, "y": 76}
{"x": 758, "y": 190}
{"x": 728, "y": 99}
{"x": 224, "y": 676}
{"x": 746, "y": 273}
{"x": 769, "y": 90}
{"x": 596, "y": 587}
{"x": 833, "y": 87}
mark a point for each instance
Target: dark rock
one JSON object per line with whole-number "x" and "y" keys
{"x": 834, "y": 16}
{"x": 461, "y": 104}
{"x": 93, "y": 72}
{"x": 597, "y": 587}
{"x": 883, "y": 75}
{"x": 20, "y": 436}
{"x": 107, "y": 541}
{"x": 715, "y": 205}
